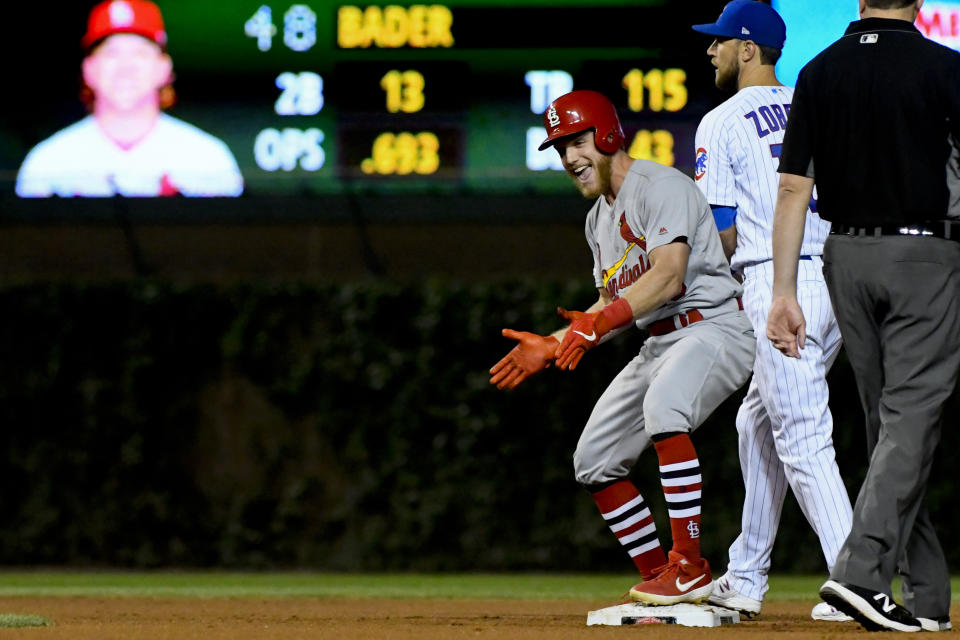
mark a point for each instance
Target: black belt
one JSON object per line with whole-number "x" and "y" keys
{"x": 946, "y": 229}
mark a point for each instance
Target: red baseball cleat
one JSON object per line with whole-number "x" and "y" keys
{"x": 680, "y": 580}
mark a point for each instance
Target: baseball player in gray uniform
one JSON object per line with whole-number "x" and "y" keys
{"x": 658, "y": 264}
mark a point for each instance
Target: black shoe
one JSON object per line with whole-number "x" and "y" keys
{"x": 876, "y": 611}
{"x": 935, "y": 624}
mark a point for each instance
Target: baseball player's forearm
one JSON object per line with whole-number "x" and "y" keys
{"x": 789, "y": 218}
{"x": 662, "y": 282}
{"x": 728, "y": 240}
{"x": 652, "y": 291}
{"x": 607, "y": 317}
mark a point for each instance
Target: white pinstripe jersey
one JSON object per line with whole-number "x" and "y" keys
{"x": 738, "y": 149}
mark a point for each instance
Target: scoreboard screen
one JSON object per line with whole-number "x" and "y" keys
{"x": 315, "y": 97}
{"x": 319, "y": 97}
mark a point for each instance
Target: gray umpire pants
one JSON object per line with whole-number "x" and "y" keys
{"x": 897, "y": 302}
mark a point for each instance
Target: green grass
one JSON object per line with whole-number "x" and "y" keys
{"x": 13, "y": 620}
{"x": 353, "y": 585}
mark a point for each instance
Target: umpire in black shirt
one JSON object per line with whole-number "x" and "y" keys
{"x": 876, "y": 121}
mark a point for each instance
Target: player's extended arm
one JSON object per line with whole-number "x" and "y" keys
{"x": 786, "y": 327}
{"x": 663, "y": 281}
{"x": 728, "y": 240}
{"x": 726, "y": 220}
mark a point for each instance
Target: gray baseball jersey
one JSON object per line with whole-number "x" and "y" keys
{"x": 655, "y": 205}
{"x": 680, "y": 377}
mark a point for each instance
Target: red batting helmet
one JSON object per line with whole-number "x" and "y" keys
{"x": 578, "y": 111}
{"x": 141, "y": 17}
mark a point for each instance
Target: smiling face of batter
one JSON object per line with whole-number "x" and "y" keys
{"x": 725, "y": 56}
{"x": 126, "y": 72}
{"x": 588, "y": 167}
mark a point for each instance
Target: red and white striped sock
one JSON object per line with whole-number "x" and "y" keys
{"x": 628, "y": 516}
{"x": 682, "y": 484}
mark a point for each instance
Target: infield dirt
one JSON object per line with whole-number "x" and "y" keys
{"x": 125, "y": 618}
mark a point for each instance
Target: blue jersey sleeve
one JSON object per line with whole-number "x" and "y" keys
{"x": 725, "y": 217}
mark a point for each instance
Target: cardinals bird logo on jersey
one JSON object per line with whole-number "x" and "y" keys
{"x": 621, "y": 275}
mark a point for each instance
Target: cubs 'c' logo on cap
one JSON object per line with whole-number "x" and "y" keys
{"x": 121, "y": 14}
{"x": 701, "y": 167}
{"x": 552, "y": 116}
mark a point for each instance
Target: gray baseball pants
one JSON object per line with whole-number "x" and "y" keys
{"x": 897, "y": 302}
{"x": 674, "y": 384}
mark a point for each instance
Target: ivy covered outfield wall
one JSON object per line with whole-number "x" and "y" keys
{"x": 331, "y": 427}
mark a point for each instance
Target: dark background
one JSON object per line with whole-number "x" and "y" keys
{"x": 300, "y": 380}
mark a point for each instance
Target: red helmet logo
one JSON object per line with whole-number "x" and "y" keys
{"x": 578, "y": 111}
{"x": 552, "y": 118}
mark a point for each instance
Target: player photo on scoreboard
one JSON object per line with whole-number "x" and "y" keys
{"x": 127, "y": 145}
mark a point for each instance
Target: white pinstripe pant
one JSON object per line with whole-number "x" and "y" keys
{"x": 786, "y": 432}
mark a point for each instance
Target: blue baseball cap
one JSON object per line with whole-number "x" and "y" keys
{"x": 748, "y": 20}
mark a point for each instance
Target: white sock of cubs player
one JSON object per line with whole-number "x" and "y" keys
{"x": 628, "y": 516}
{"x": 680, "y": 477}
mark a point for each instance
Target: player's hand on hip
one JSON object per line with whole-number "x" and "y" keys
{"x": 533, "y": 353}
{"x": 786, "y": 327}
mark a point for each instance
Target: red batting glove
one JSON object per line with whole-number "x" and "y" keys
{"x": 533, "y": 353}
{"x": 586, "y": 329}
